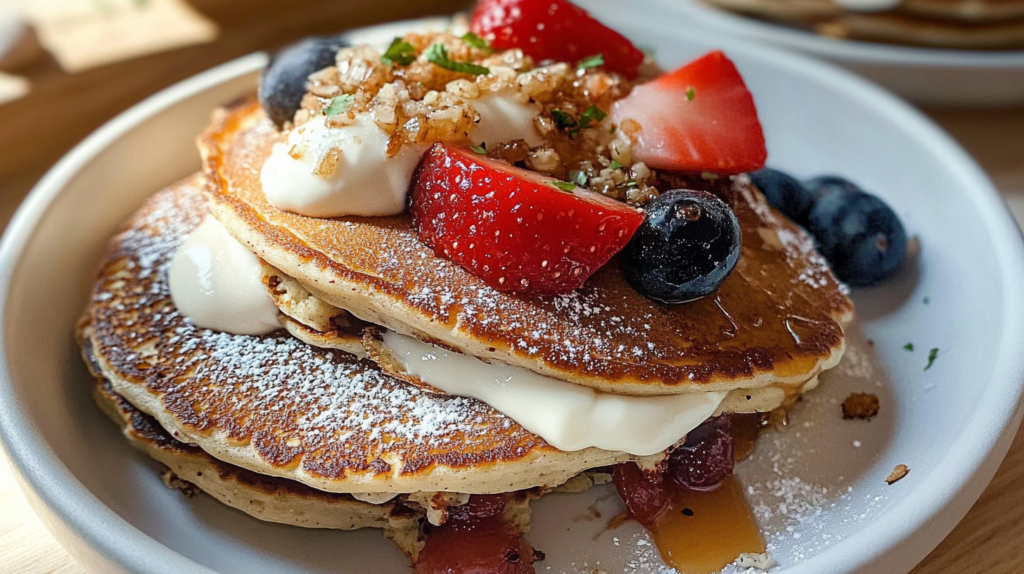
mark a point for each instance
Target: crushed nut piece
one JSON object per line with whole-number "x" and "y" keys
{"x": 860, "y": 406}
{"x": 171, "y": 480}
{"x": 897, "y": 474}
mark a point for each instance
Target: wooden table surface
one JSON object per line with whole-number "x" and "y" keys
{"x": 66, "y": 108}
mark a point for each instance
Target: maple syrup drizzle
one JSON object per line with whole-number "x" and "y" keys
{"x": 703, "y": 532}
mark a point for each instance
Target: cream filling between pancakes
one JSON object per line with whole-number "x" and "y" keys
{"x": 216, "y": 283}
{"x": 569, "y": 417}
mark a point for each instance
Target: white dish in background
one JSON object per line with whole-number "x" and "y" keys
{"x": 952, "y": 424}
{"x": 927, "y": 76}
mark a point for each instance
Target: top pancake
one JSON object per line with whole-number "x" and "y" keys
{"x": 778, "y": 319}
{"x": 278, "y": 407}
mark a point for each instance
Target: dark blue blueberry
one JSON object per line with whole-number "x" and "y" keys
{"x": 686, "y": 247}
{"x": 784, "y": 192}
{"x": 826, "y": 184}
{"x": 283, "y": 81}
{"x": 860, "y": 235}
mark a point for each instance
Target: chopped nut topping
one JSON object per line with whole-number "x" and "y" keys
{"x": 897, "y": 474}
{"x": 860, "y": 406}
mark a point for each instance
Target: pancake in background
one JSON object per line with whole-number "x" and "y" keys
{"x": 962, "y": 24}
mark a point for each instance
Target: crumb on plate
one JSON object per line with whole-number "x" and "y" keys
{"x": 897, "y": 474}
{"x": 860, "y": 406}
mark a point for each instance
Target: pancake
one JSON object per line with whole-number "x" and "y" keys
{"x": 279, "y": 407}
{"x": 265, "y": 498}
{"x": 777, "y": 320}
{"x": 965, "y": 24}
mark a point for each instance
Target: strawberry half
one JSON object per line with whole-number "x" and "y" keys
{"x": 514, "y": 228}
{"x": 700, "y": 117}
{"x": 556, "y": 30}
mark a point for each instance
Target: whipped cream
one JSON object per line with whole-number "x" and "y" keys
{"x": 569, "y": 417}
{"x": 216, "y": 282}
{"x": 322, "y": 171}
{"x": 868, "y": 5}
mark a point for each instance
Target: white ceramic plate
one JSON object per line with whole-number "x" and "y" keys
{"x": 928, "y": 76}
{"x": 823, "y": 500}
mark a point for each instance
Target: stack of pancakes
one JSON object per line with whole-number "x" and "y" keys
{"x": 316, "y": 425}
{"x": 960, "y": 24}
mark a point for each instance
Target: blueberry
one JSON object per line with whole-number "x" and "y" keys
{"x": 826, "y": 184}
{"x": 283, "y": 81}
{"x": 784, "y": 192}
{"x": 860, "y": 235}
{"x": 686, "y": 247}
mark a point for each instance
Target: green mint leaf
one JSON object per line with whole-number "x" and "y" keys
{"x": 438, "y": 55}
{"x": 399, "y": 52}
{"x": 591, "y": 62}
{"x": 339, "y": 104}
{"x": 564, "y": 185}
{"x": 480, "y": 149}
{"x": 581, "y": 179}
{"x": 932, "y": 355}
{"x": 690, "y": 94}
{"x": 590, "y": 115}
{"x": 476, "y": 41}
{"x": 615, "y": 165}
{"x": 562, "y": 119}
{"x": 908, "y": 347}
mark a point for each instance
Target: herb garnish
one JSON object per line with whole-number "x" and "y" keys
{"x": 615, "y": 164}
{"x": 438, "y": 55}
{"x": 476, "y": 42}
{"x": 480, "y": 149}
{"x": 564, "y": 185}
{"x": 690, "y": 94}
{"x": 566, "y": 121}
{"x": 908, "y": 347}
{"x": 339, "y": 104}
{"x": 591, "y": 114}
{"x": 562, "y": 119}
{"x": 581, "y": 179}
{"x": 399, "y": 52}
{"x": 932, "y": 355}
{"x": 591, "y": 62}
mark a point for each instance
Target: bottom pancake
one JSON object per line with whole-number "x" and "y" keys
{"x": 266, "y": 498}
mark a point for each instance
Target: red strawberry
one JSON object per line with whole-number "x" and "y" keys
{"x": 700, "y": 117}
{"x": 512, "y": 227}
{"x": 556, "y": 30}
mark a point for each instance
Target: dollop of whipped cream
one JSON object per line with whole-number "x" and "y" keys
{"x": 868, "y": 5}
{"x": 323, "y": 171}
{"x": 569, "y": 417}
{"x": 216, "y": 282}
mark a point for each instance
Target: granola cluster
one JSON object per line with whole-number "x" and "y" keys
{"x": 423, "y": 88}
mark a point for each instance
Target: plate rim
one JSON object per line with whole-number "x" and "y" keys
{"x": 969, "y": 465}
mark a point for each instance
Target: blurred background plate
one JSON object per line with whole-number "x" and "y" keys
{"x": 926, "y": 76}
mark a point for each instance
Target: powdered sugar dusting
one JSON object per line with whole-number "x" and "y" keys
{"x": 289, "y": 399}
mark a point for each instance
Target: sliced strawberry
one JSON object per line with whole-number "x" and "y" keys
{"x": 556, "y": 30}
{"x": 514, "y": 228}
{"x": 700, "y": 117}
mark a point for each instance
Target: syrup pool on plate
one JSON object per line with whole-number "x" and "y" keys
{"x": 705, "y": 531}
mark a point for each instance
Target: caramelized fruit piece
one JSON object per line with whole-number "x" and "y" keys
{"x": 476, "y": 539}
